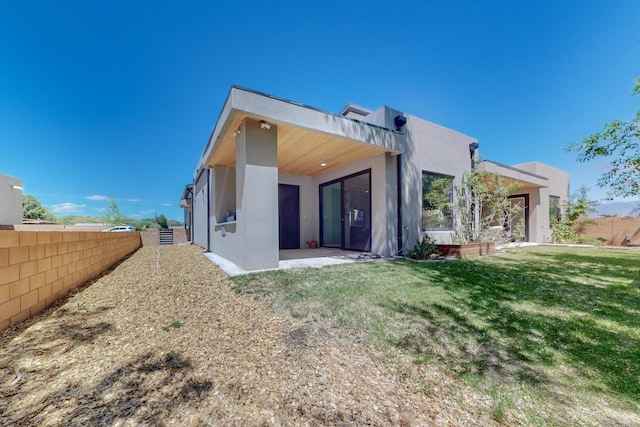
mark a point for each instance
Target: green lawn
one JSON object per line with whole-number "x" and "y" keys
{"x": 549, "y": 332}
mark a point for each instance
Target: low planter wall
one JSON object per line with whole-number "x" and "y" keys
{"x": 39, "y": 267}
{"x": 468, "y": 250}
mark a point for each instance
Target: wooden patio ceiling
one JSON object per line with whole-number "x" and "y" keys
{"x": 300, "y": 151}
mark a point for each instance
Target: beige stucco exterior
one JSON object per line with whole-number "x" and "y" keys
{"x": 537, "y": 182}
{"x": 260, "y": 142}
{"x": 10, "y": 200}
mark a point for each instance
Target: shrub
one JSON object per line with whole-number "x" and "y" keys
{"x": 563, "y": 233}
{"x": 588, "y": 240}
{"x": 424, "y": 249}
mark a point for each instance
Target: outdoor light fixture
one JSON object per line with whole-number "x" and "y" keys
{"x": 236, "y": 132}
{"x": 323, "y": 164}
{"x": 264, "y": 125}
{"x": 16, "y": 187}
{"x": 399, "y": 121}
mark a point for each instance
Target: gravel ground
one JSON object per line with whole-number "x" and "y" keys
{"x": 162, "y": 339}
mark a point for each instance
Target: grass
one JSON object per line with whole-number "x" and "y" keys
{"x": 555, "y": 328}
{"x": 175, "y": 324}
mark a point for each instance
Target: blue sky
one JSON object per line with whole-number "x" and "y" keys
{"x": 102, "y": 100}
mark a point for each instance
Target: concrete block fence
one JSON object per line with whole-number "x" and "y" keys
{"x": 39, "y": 267}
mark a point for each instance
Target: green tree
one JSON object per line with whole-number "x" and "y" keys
{"x": 579, "y": 206}
{"x": 162, "y": 221}
{"x": 577, "y": 211}
{"x": 175, "y": 223}
{"x": 113, "y": 216}
{"x": 481, "y": 207}
{"x": 33, "y": 209}
{"x": 619, "y": 143}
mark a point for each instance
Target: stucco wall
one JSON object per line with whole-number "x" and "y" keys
{"x": 39, "y": 267}
{"x": 557, "y": 185}
{"x": 200, "y": 210}
{"x": 252, "y": 241}
{"x": 430, "y": 148}
{"x": 309, "y": 206}
{"x": 383, "y": 194}
{"x": 10, "y": 200}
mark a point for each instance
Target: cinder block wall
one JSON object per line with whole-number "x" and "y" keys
{"x": 150, "y": 236}
{"x": 39, "y": 267}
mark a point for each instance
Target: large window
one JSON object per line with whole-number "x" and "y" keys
{"x": 554, "y": 210}
{"x": 437, "y": 196}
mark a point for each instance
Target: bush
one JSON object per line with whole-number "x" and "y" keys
{"x": 588, "y": 240}
{"x": 563, "y": 233}
{"x": 424, "y": 249}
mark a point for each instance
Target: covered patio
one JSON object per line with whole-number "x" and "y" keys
{"x": 263, "y": 146}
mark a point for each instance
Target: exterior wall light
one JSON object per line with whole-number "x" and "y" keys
{"x": 264, "y": 125}
{"x": 399, "y": 121}
{"x": 323, "y": 164}
{"x": 16, "y": 187}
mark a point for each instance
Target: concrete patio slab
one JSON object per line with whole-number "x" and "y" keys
{"x": 293, "y": 258}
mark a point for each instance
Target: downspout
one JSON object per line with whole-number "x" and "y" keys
{"x": 191, "y": 214}
{"x": 400, "y": 121}
{"x": 208, "y": 210}
{"x": 399, "y": 203}
{"x": 191, "y": 192}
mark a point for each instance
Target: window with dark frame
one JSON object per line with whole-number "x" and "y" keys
{"x": 437, "y": 197}
{"x": 554, "y": 210}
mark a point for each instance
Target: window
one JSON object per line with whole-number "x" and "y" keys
{"x": 437, "y": 196}
{"x": 554, "y": 210}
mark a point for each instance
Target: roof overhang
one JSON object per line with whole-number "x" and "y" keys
{"x": 187, "y": 196}
{"x": 524, "y": 178}
{"x": 311, "y": 142}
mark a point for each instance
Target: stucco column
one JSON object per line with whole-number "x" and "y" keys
{"x": 257, "y": 195}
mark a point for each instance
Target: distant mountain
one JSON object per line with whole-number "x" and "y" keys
{"x": 617, "y": 208}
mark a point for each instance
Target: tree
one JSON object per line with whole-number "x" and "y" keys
{"x": 577, "y": 211}
{"x": 162, "y": 221}
{"x": 579, "y": 206}
{"x": 33, "y": 209}
{"x": 175, "y": 223}
{"x": 619, "y": 142}
{"x": 113, "y": 216}
{"x": 482, "y": 208}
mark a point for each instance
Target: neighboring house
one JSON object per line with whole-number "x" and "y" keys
{"x": 10, "y": 200}
{"x": 277, "y": 174}
{"x": 186, "y": 202}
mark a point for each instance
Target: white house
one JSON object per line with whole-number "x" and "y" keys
{"x": 276, "y": 174}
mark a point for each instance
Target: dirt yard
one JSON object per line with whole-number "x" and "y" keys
{"x": 163, "y": 340}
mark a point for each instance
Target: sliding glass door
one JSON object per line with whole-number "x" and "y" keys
{"x": 345, "y": 210}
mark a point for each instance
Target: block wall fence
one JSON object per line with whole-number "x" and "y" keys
{"x": 613, "y": 230}
{"x": 37, "y": 268}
